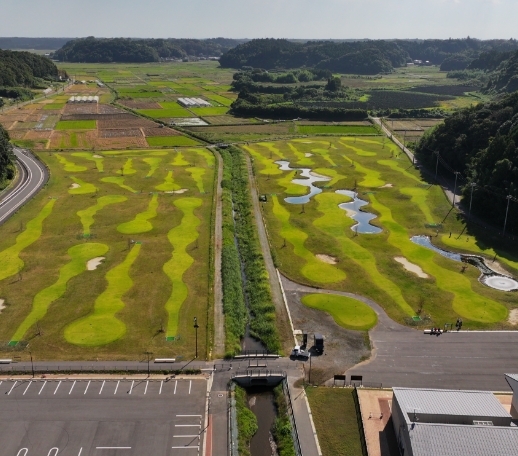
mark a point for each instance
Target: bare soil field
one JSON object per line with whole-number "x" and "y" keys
{"x": 119, "y": 133}
{"x": 160, "y": 132}
{"x": 125, "y": 121}
{"x": 17, "y": 134}
{"x": 121, "y": 143}
{"x": 227, "y": 120}
{"x": 81, "y": 108}
{"x": 35, "y": 135}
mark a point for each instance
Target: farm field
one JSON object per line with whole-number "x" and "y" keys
{"x": 110, "y": 259}
{"x": 315, "y": 243}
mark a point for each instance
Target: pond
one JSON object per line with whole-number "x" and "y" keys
{"x": 352, "y": 210}
{"x": 309, "y": 178}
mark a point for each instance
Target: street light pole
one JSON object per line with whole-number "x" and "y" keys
{"x": 455, "y": 189}
{"x": 32, "y": 365}
{"x": 507, "y": 211}
{"x": 309, "y": 376}
{"x": 473, "y": 185}
{"x": 196, "y": 329}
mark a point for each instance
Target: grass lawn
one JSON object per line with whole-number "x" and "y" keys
{"x": 164, "y": 113}
{"x": 222, "y": 100}
{"x": 338, "y": 129}
{"x": 210, "y": 111}
{"x": 141, "y": 223}
{"x": 348, "y": 313}
{"x": 76, "y": 125}
{"x": 51, "y": 106}
{"x": 334, "y": 415}
{"x": 170, "y": 141}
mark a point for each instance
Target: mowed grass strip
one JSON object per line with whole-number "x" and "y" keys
{"x": 10, "y": 260}
{"x": 127, "y": 169}
{"x": 69, "y": 166}
{"x": 99, "y": 160}
{"x": 84, "y": 187}
{"x": 180, "y": 238}
{"x": 102, "y": 327}
{"x": 153, "y": 163}
{"x": 197, "y": 175}
{"x": 171, "y": 141}
{"x": 79, "y": 256}
{"x": 87, "y": 215}
{"x": 312, "y": 268}
{"x": 76, "y": 125}
{"x": 120, "y": 182}
{"x": 347, "y": 312}
{"x": 141, "y": 223}
{"x": 168, "y": 185}
{"x": 214, "y": 111}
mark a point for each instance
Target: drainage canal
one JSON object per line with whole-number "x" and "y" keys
{"x": 261, "y": 403}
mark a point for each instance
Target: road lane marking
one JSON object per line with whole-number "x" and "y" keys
{"x": 196, "y": 447}
{"x": 86, "y": 389}
{"x": 102, "y": 386}
{"x": 12, "y": 387}
{"x": 188, "y": 415}
{"x": 44, "y": 383}
{"x": 51, "y": 450}
{"x": 131, "y": 389}
{"x": 161, "y": 384}
{"x": 56, "y": 390}
{"x": 80, "y": 451}
{"x": 145, "y": 390}
{"x": 190, "y": 435}
{"x": 190, "y": 384}
{"x": 20, "y": 452}
{"x": 188, "y": 425}
{"x": 73, "y": 384}
{"x": 117, "y": 387}
{"x": 113, "y": 448}
{"x": 175, "y": 385}
{"x": 30, "y": 383}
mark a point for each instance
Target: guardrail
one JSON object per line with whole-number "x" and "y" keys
{"x": 359, "y": 419}
{"x": 294, "y": 432}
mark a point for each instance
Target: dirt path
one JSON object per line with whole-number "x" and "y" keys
{"x": 282, "y": 317}
{"x": 219, "y": 319}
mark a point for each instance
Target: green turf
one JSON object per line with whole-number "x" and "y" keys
{"x": 170, "y": 141}
{"x": 153, "y": 163}
{"x": 269, "y": 167}
{"x": 179, "y": 160}
{"x": 127, "y": 169}
{"x": 326, "y": 155}
{"x": 84, "y": 187}
{"x": 222, "y": 100}
{"x": 120, "y": 182}
{"x": 347, "y": 312}
{"x": 208, "y": 156}
{"x": 197, "y": 174}
{"x": 302, "y": 160}
{"x": 372, "y": 178}
{"x": 79, "y": 256}
{"x": 311, "y": 267}
{"x": 210, "y": 111}
{"x": 76, "y": 125}
{"x": 141, "y": 223}
{"x": 51, "y": 106}
{"x": 170, "y": 105}
{"x": 164, "y": 113}
{"x": 168, "y": 185}
{"x": 338, "y": 129}
{"x": 70, "y": 166}
{"x": 180, "y": 238}
{"x": 102, "y": 326}
{"x": 87, "y": 215}
{"x": 10, "y": 260}
{"x": 99, "y": 161}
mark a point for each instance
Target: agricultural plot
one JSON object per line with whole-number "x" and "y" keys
{"x": 320, "y": 236}
{"x": 111, "y": 257}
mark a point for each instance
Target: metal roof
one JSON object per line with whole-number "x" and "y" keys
{"x": 449, "y": 402}
{"x": 447, "y": 440}
{"x": 513, "y": 376}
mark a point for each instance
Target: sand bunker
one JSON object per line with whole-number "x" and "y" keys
{"x": 2, "y": 305}
{"x": 74, "y": 185}
{"x": 320, "y": 176}
{"x": 412, "y": 267}
{"x": 98, "y": 156}
{"x": 307, "y": 155}
{"x": 182, "y": 190}
{"x": 92, "y": 264}
{"x": 387, "y": 186}
{"x": 327, "y": 258}
{"x": 513, "y": 316}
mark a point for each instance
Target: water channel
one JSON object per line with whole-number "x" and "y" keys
{"x": 353, "y": 211}
{"x": 309, "y": 179}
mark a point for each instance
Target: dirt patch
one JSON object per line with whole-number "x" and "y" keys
{"x": 74, "y": 185}
{"x": 2, "y": 305}
{"x": 92, "y": 264}
{"x": 80, "y": 108}
{"x": 160, "y": 132}
{"x": 327, "y": 258}
{"x": 320, "y": 176}
{"x": 308, "y": 154}
{"x": 411, "y": 267}
{"x": 513, "y": 317}
{"x": 98, "y": 156}
{"x": 387, "y": 186}
{"x": 17, "y": 134}
{"x": 38, "y": 134}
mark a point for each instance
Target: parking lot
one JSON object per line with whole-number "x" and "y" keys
{"x": 68, "y": 417}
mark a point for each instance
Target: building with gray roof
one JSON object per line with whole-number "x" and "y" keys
{"x": 452, "y": 423}
{"x": 512, "y": 380}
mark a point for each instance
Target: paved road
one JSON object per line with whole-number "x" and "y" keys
{"x": 32, "y": 177}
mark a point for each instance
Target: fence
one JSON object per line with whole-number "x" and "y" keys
{"x": 39, "y": 369}
{"x": 359, "y": 419}
{"x": 294, "y": 433}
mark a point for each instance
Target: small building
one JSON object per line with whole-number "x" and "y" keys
{"x": 512, "y": 380}
{"x": 431, "y": 422}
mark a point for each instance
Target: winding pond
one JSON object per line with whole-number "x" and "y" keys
{"x": 425, "y": 241}
{"x": 309, "y": 179}
{"x": 352, "y": 210}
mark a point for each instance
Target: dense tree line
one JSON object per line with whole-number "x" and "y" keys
{"x": 32, "y": 43}
{"x": 94, "y": 50}
{"x": 362, "y": 57}
{"x": 24, "y": 69}
{"x": 481, "y": 143}
{"x": 6, "y": 158}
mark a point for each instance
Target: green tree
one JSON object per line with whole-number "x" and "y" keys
{"x": 334, "y": 84}
{"x": 6, "y": 157}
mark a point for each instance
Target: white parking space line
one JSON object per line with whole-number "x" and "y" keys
{"x": 161, "y": 384}
{"x": 30, "y": 383}
{"x": 117, "y": 387}
{"x": 73, "y": 384}
{"x": 51, "y": 451}
{"x": 175, "y": 385}
{"x": 113, "y": 448}
{"x": 80, "y": 451}
{"x": 185, "y": 416}
{"x": 44, "y": 383}
{"x": 12, "y": 387}
{"x": 102, "y": 386}
{"x": 86, "y": 389}
{"x": 131, "y": 389}
{"x": 191, "y": 435}
{"x": 190, "y": 385}
{"x": 56, "y": 390}
{"x": 145, "y": 390}
{"x": 196, "y": 447}
{"x": 25, "y": 450}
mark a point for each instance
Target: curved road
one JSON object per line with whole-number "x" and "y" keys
{"x": 32, "y": 177}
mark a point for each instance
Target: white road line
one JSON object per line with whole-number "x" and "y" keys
{"x": 30, "y": 383}
{"x": 190, "y": 385}
{"x": 12, "y": 387}
{"x": 196, "y": 447}
{"x": 52, "y": 449}
{"x": 113, "y": 448}
{"x": 80, "y": 451}
{"x": 1, "y": 381}
{"x": 102, "y": 386}
{"x": 56, "y": 390}
{"x": 44, "y": 383}
{"x": 188, "y": 425}
{"x": 145, "y": 390}
{"x": 188, "y": 415}
{"x": 24, "y": 454}
{"x": 131, "y": 389}
{"x": 73, "y": 384}
{"x": 175, "y": 385}
{"x": 161, "y": 384}
{"x": 192, "y": 435}
{"x": 117, "y": 387}
{"x": 86, "y": 389}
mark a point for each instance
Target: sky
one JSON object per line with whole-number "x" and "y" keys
{"x": 311, "y": 19}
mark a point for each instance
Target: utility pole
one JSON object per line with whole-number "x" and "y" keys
{"x": 196, "y": 326}
{"x": 455, "y": 188}
{"x": 32, "y": 365}
{"x": 148, "y": 370}
{"x": 473, "y": 185}
{"x": 507, "y": 212}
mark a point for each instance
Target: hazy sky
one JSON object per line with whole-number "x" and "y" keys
{"x": 322, "y": 19}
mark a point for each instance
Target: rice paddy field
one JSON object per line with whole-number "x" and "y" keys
{"x": 317, "y": 242}
{"x": 111, "y": 258}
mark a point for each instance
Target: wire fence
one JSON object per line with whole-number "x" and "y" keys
{"x": 291, "y": 416}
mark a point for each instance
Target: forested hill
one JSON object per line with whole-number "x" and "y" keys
{"x": 22, "y": 69}
{"x": 126, "y": 50}
{"x": 481, "y": 143}
{"x": 6, "y": 158}
{"x": 20, "y": 43}
{"x": 365, "y": 57}
{"x": 505, "y": 77}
